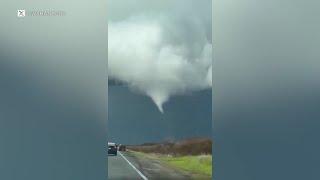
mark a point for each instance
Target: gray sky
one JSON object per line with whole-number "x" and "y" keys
{"x": 134, "y": 119}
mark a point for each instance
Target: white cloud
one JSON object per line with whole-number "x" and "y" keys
{"x": 160, "y": 57}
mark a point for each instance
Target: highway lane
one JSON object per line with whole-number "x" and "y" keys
{"x": 120, "y": 168}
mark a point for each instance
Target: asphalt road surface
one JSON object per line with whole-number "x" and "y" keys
{"x": 126, "y": 166}
{"x": 120, "y": 168}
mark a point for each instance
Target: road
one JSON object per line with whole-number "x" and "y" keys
{"x": 128, "y": 166}
{"x": 120, "y": 168}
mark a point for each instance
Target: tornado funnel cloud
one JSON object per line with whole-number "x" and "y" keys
{"x": 160, "y": 57}
{"x": 159, "y": 99}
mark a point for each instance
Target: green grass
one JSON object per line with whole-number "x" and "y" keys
{"x": 201, "y": 164}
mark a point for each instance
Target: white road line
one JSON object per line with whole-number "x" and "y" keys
{"x": 140, "y": 173}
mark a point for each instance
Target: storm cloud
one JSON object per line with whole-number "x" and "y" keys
{"x": 161, "y": 55}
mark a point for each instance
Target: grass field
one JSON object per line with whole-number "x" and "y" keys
{"x": 199, "y": 166}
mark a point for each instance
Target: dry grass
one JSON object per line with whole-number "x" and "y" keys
{"x": 194, "y": 146}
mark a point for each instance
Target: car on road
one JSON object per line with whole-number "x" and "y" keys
{"x": 122, "y": 147}
{"x": 112, "y": 148}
